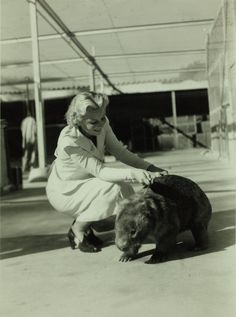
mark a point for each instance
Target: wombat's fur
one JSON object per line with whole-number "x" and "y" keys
{"x": 170, "y": 205}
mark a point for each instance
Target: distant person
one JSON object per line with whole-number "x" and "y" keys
{"x": 29, "y": 133}
{"x": 80, "y": 184}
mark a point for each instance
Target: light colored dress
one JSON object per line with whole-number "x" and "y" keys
{"x": 74, "y": 186}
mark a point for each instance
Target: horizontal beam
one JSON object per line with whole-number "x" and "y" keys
{"x": 109, "y": 57}
{"x": 161, "y": 71}
{"x": 133, "y": 28}
{"x": 120, "y": 74}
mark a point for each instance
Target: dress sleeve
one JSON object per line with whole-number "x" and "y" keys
{"x": 114, "y": 147}
{"x": 84, "y": 159}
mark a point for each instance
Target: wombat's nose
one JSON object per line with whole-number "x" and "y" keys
{"x": 122, "y": 245}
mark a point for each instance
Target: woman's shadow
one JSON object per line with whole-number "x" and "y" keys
{"x": 29, "y": 244}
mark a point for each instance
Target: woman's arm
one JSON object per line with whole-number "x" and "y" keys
{"x": 83, "y": 159}
{"x": 115, "y": 147}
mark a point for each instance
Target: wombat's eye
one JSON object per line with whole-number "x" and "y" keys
{"x": 132, "y": 232}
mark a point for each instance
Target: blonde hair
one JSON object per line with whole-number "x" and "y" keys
{"x": 81, "y": 104}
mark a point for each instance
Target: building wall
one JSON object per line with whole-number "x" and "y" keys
{"x": 221, "y": 65}
{"x": 128, "y": 114}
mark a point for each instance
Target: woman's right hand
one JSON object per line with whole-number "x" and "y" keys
{"x": 143, "y": 176}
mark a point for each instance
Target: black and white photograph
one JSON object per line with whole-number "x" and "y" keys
{"x": 118, "y": 158}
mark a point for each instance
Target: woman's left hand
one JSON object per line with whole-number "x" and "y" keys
{"x": 159, "y": 171}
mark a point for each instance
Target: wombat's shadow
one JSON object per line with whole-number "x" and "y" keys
{"x": 221, "y": 236}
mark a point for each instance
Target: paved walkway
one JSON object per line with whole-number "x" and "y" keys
{"x": 42, "y": 277}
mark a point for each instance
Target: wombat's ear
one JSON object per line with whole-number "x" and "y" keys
{"x": 121, "y": 205}
{"x": 124, "y": 201}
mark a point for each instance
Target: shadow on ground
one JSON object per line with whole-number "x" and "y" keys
{"x": 221, "y": 232}
{"x": 23, "y": 194}
{"x": 221, "y": 236}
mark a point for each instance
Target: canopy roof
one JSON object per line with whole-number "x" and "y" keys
{"x": 157, "y": 43}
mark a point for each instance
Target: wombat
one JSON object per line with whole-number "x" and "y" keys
{"x": 170, "y": 205}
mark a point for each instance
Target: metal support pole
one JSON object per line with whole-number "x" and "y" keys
{"x": 92, "y": 85}
{"x": 27, "y": 99}
{"x": 75, "y": 41}
{"x": 174, "y": 113}
{"x": 39, "y": 107}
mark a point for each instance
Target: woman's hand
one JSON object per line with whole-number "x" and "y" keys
{"x": 159, "y": 171}
{"x": 162, "y": 173}
{"x": 143, "y": 177}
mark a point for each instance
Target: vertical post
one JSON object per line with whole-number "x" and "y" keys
{"x": 5, "y": 166}
{"x": 225, "y": 103}
{"x": 92, "y": 78}
{"x": 39, "y": 107}
{"x": 27, "y": 99}
{"x": 92, "y": 84}
{"x": 174, "y": 113}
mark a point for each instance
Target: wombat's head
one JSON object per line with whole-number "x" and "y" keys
{"x": 134, "y": 221}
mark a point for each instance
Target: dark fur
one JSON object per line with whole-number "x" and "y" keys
{"x": 170, "y": 205}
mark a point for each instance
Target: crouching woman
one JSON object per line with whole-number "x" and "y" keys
{"x": 80, "y": 184}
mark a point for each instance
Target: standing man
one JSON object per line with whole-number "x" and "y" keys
{"x": 29, "y": 131}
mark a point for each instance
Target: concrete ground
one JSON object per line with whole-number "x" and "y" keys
{"x": 42, "y": 277}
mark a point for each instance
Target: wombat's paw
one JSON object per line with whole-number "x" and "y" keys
{"x": 125, "y": 258}
{"x": 157, "y": 258}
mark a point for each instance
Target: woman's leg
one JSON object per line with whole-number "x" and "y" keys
{"x": 95, "y": 200}
{"x": 81, "y": 237}
{"x": 80, "y": 228}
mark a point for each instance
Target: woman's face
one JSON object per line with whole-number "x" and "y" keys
{"x": 94, "y": 121}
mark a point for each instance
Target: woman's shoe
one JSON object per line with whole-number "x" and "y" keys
{"x": 93, "y": 239}
{"x": 86, "y": 246}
